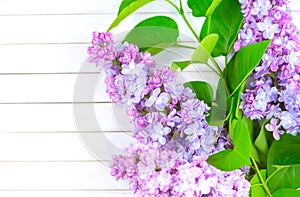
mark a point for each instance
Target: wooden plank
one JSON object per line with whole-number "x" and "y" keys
{"x": 56, "y": 118}
{"x": 69, "y": 87}
{"x": 59, "y": 117}
{"x": 58, "y": 58}
{"x": 70, "y": 28}
{"x": 67, "y": 193}
{"x": 7, "y": 7}
{"x": 76, "y": 28}
{"x": 65, "y": 58}
{"x": 61, "y": 147}
{"x": 57, "y": 176}
{"x": 50, "y": 88}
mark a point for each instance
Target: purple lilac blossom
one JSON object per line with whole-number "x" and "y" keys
{"x": 160, "y": 107}
{"x": 173, "y": 137}
{"x": 154, "y": 171}
{"x": 274, "y": 95}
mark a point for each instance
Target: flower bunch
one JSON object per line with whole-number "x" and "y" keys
{"x": 179, "y": 150}
{"x": 154, "y": 171}
{"x": 173, "y": 137}
{"x": 161, "y": 108}
{"x": 273, "y": 93}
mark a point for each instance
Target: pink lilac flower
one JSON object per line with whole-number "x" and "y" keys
{"x": 273, "y": 93}
{"x": 160, "y": 107}
{"x": 154, "y": 171}
{"x": 173, "y": 137}
{"x": 273, "y": 126}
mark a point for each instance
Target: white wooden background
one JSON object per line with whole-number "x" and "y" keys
{"x": 42, "y": 47}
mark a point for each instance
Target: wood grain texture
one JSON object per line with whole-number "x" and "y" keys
{"x": 74, "y": 193}
{"x": 57, "y": 176}
{"x": 75, "y": 28}
{"x": 43, "y": 45}
{"x": 59, "y": 147}
{"x": 60, "y": 87}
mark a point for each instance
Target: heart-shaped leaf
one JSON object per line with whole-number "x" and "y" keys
{"x": 286, "y": 192}
{"x": 229, "y": 160}
{"x": 243, "y": 63}
{"x": 154, "y": 34}
{"x": 261, "y": 141}
{"x": 126, "y": 8}
{"x": 284, "y": 163}
{"x": 224, "y": 21}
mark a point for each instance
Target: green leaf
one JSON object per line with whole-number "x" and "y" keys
{"x": 254, "y": 153}
{"x": 199, "y": 7}
{"x": 213, "y": 7}
{"x": 224, "y": 21}
{"x": 243, "y": 63}
{"x": 235, "y": 111}
{"x": 251, "y": 127}
{"x": 284, "y": 163}
{"x": 262, "y": 144}
{"x": 202, "y": 53}
{"x": 221, "y": 96}
{"x": 124, "y": 4}
{"x": 209, "y": 42}
{"x": 261, "y": 141}
{"x": 154, "y": 34}
{"x": 203, "y": 91}
{"x": 228, "y": 160}
{"x": 218, "y": 115}
{"x": 182, "y": 65}
{"x": 256, "y": 188}
{"x": 286, "y": 192}
{"x": 126, "y": 8}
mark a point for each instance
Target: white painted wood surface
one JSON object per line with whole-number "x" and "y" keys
{"x": 42, "y": 49}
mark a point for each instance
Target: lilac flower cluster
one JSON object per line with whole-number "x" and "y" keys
{"x": 173, "y": 137}
{"x": 161, "y": 108}
{"x": 153, "y": 171}
{"x": 273, "y": 93}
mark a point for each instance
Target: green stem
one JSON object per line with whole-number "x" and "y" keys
{"x": 261, "y": 178}
{"x": 174, "y": 5}
{"x": 209, "y": 66}
{"x": 221, "y": 74}
{"x": 190, "y": 26}
{"x": 181, "y": 7}
{"x": 181, "y": 12}
{"x": 184, "y": 46}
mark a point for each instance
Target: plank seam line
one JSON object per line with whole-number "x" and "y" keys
{"x": 56, "y": 161}
{"x": 67, "y": 43}
{"x": 85, "y": 73}
{"x": 55, "y": 73}
{"x": 55, "y": 103}
{"x": 66, "y": 190}
{"x": 85, "y": 13}
{"x": 62, "y": 132}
